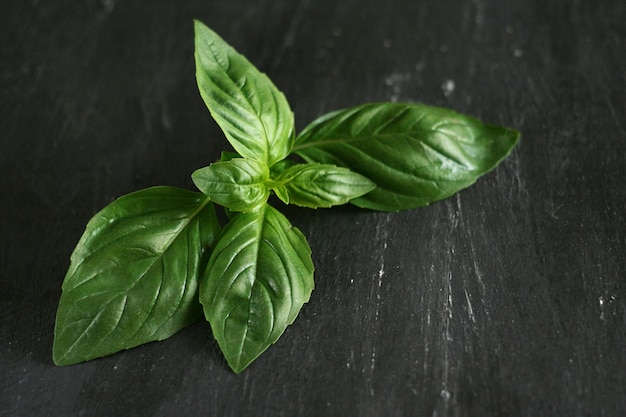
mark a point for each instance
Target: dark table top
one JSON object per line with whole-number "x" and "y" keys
{"x": 507, "y": 299}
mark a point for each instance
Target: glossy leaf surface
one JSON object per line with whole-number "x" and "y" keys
{"x": 133, "y": 277}
{"x": 258, "y": 277}
{"x": 238, "y": 184}
{"x": 321, "y": 185}
{"x": 416, "y": 154}
{"x": 254, "y": 115}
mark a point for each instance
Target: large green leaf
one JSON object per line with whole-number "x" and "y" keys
{"x": 133, "y": 277}
{"x": 252, "y": 112}
{"x": 321, "y": 185}
{"x": 238, "y": 184}
{"x": 258, "y": 277}
{"x": 416, "y": 154}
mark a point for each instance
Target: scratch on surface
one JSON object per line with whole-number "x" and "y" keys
{"x": 470, "y": 310}
{"x": 373, "y": 360}
{"x": 447, "y": 339}
{"x": 601, "y": 302}
{"x": 350, "y": 360}
{"x": 479, "y": 17}
{"x": 477, "y": 271}
{"x": 553, "y": 213}
{"x": 515, "y": 164}
{"x": 448, "y": 87}
{"x": 381, "y": 236}
{"x": 448, "y": 305}
{"x": 397, "y": 81}
{"x": 290, "y": 36}
{"x": 381, "y": 273}
{"x": 604, "y": 303}
{"x": 615, "y": 116}
{"x": 541, "y": 94}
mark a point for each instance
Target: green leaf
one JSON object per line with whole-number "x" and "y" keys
{"x": 281, "y": 192}
{"x": 238, "y": 184}
{"x": 258, "y": 277}
{"x": 133, "y": 277}
{"x": 252, "y": 112}
{"x": 416, "y": 154}
{"x": 322, "y": 185}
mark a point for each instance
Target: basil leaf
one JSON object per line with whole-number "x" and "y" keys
{"x": 416, "y": 154}
{"x": 238, "y": 184}
{"x": 258, "y": 277}
{"x": 133, "y": 277}
{"x": 322, "y": 185}
{"x": 281, "y": 192}
{"x": 254, "y": 115}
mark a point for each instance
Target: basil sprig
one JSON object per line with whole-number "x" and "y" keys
{"x": 416, "y": 154}
{"x": 152, "y": 261}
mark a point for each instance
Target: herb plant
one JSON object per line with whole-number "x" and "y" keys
{"x": 153, "y": 261}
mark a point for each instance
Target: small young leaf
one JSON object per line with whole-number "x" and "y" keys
{"x": 258, "y": 277}
{"x": 133, "y": 277}
{"x": 281, "y": 192}
{"x": 416, "y": 154}
{"x": 254, "y": 115}
{"x": 322, "y": 185}
{"x": 238, "y": 184}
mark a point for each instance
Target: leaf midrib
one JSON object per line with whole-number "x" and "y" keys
{"x": 174, "y": 235}
{"x": 351, "y": 139}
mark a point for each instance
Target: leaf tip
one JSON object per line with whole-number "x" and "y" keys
{"x": 238, "y": 367}
{"x": 197, "y": 24}
{"x": 516, "y": 135}
{"x": 59, "y": 357}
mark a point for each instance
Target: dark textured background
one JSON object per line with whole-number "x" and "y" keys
{"x": 507, "y": 299}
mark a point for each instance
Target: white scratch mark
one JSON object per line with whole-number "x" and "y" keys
{"x": 448, "y": 87}
{"x": 479, "y": 18}
{"x": 470, "y": 310}
{"x": 350, "y": 360}
{"x": 448, "y": 305}
{"x": 615, "y": 115}
{"x": 553, "y": 213}
{"x": 381, "y": 236}
{"x": 601, "y": 302}
{"x": 397, "y": 81}
{"x": 447, "y": 337}
{"x": 604, "y": 303}
{"x": 445, "y": 395}
{"x": 289, "y": 37}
